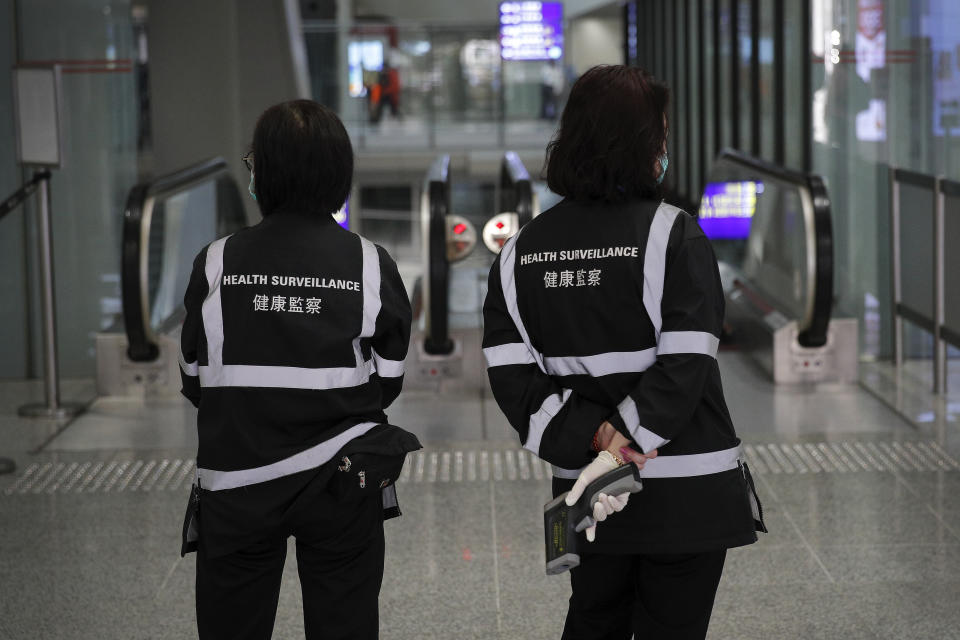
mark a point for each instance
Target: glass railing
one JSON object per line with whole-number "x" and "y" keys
{"x": 167, "y": 222}
{"x": 431, "y": 86}
{"x": 773, "y": 226}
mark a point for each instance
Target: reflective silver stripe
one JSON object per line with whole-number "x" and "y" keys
{"x": 242, "y": 375}
{"x": 216, "y": 374}
{"x": 696, "y": 464}
{"x": 387, "y": 368}
{"x": 506, "y": 354}
{"x": 539, "y": 421}
{"x": 188, "y": 368}
{"x": 647, "y": 440}
{"x": 601, "y": 364}
{"x": 565, "y": 474}
{"x": 508, "y": 256}
{"x": 655, "y": 263}
{"x": 310, "y": 459}
{"x": 688, "y": 342}
{"x": 628, "y": 413}
{"x": 212, "y": 310}
{"x": 371, "y": 295}
{"x": 371, "y": 288}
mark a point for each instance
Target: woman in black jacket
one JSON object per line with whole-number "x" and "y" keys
{"x": 601, "y": 327}
{"x": 292, "y": 348}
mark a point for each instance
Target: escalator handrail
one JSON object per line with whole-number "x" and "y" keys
{"x": 141, "y": 336}
{"x": 819, "y": 227}
{"x": 437, "y": 188}
{"x": 516, "y": 188}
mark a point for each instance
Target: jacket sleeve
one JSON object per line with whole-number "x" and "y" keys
{"x": 192, "y": 337}
{"x": 391, "y": 337}
{"x": 553, "y": 422}
{"x": 692, "y": 307}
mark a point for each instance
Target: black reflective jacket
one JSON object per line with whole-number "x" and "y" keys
{"x": 613, "y": 312}
{"x": 292, "y": 347}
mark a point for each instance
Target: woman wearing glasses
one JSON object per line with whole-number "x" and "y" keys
{"x": 292, "y": 348}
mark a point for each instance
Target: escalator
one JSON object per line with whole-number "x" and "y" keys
{"x": 167, "y": 221}
{"x": 456, "y": 261}
{"x": 771, "y": 229}
{"x": 772, "y": 232}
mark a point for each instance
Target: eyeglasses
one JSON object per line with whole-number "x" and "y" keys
{"x": 248, "y": 160}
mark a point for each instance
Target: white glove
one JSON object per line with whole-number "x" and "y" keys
{"x": 605, "y": 505}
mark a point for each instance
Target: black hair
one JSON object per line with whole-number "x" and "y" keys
{"x": 611, "y": 135}
{"x": 302, "y": 159}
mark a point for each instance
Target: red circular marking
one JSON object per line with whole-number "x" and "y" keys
{"x": 500, "y": 225}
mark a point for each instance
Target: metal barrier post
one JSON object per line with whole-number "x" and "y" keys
{"x": 939, "y": 344}
{"x": 895, "y": 267}
{"x": 38, "y": 107}
{"x": 51, "y": 408}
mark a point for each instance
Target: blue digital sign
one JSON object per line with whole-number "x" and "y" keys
{"x": 531, "y": 30}
{"x": 727, "y": 208}
{"x": 343, "y": 215}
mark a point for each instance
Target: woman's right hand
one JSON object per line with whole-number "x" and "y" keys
{"x": 620, "y": 446}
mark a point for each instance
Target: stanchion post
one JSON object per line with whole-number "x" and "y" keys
{"x": 52, "y": 407}
{"x": 38, "y": 115}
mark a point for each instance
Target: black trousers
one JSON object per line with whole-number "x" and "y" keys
{"x": 340, "y": 550}
{"x": 648, "y": 597}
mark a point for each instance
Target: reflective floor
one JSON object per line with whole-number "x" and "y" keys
{"x": 863, "y": 507}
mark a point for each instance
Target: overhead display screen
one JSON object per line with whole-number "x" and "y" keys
{"x": 727, "y": 207}
{"x": 531, "y": 30}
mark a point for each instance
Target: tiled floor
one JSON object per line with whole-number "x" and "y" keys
{"x": 853, "y": 552}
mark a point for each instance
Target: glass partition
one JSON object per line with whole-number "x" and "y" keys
{"x": 709, "y": 144}
{"x": 435, "y": 86}
{"x": 743, "y": 34}
{"x": 695, "y": 90}
{"x": 916, "y": 242}
{"x": 181, "y": 225}
{"x": 166, "y": 224}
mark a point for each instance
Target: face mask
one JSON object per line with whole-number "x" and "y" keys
{"x": 663, "y": 167}
{"x": 250, "y": 187}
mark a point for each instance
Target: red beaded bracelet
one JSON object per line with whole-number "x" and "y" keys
{"x": 595, "y": 445}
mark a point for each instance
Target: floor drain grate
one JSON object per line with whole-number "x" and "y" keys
{"x": 480, "y": 465}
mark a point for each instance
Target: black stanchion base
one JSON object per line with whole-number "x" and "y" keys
{"x": 62, "y": 412}
{"x": 7, "y": 466}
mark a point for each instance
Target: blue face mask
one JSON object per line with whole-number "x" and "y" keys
{"x": 250, "y": 187}
{"x": 663, "y": 167}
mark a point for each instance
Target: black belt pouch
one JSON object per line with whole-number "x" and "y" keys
{"x": 191, "y": 523}
{"x": 370, "y": 465}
